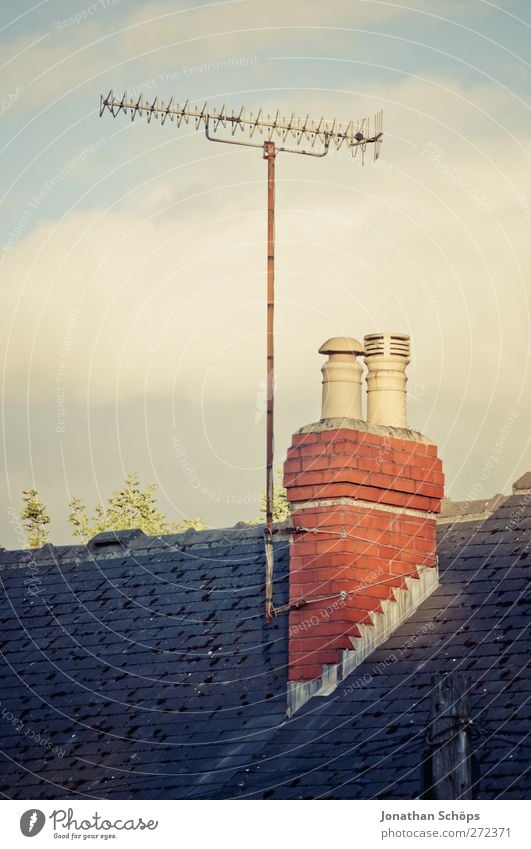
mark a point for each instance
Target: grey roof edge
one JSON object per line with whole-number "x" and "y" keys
{"x": 116, "y": 544}
{"x": 522, "y": 486}
{"x": 471, "y": 510}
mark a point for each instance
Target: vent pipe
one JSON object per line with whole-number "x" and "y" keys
{"x": 341, "y": 378}
{"x": 386, "y": 357}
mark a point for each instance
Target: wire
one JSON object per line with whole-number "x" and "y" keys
{"x": 303, "y": 602}
{"x": 457, "y": 725}
{"x": 345, "y": 535}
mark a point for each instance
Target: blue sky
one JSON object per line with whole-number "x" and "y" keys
{"x": 133, "y": 256}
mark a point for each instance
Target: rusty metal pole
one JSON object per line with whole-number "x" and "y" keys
{"x": 269, "y": 154}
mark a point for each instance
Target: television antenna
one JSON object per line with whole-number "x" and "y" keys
{"x": 304, "y": 136}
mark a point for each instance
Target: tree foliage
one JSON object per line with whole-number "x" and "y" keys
{"x": 280, "y": 500}
{"x": 35, "y": 518}
{"x": 127, "y": 508}
{"x": 280, "y": 503}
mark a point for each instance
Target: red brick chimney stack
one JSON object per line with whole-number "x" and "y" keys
{"x": 363, "y": 497}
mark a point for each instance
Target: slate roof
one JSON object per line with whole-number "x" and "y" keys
{"x": 152, "y": 668}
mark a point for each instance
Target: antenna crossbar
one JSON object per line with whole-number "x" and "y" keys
{"x": 352, "y": 135}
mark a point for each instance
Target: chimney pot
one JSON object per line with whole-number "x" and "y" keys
{"x": 341, "y": 378}
{"x": 386, "y": 358}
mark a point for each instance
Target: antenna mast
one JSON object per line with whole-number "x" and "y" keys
{"x": 305, "y": 136}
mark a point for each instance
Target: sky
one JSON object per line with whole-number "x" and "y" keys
{"x": 132, "y": 256}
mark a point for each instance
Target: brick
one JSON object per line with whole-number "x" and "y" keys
{"x": 370, "y": 465}
{"x": 395, "y": 470}
{"x": 300, "y": 493}
{"x": 395, "y": 552}
{"x": 312, "y": 564}
{"x": 312, "y": 589}
{"x": 370, "y": 522}
{"x": 292, "y": 466}
{"x": 381, "y": 481}
{"x": 303, "y": 673}
{"x": 404, "y": 570}
{"x": 318, "y": 518}
{"x": 324, "y": 642}
{"x": 305, "y": 438}
{"x": 344, "y": 461}
{"x": 367, "y": 576}
{"x": 297, "y": 590}
{"x": 351, "y": 614}
{"x": 314, "y": 583}
{"x": 329, "y": 628}
{"x": 376, "y": 591}
{"x": 310, "y": 450}
{"x": 301, "y": 621}
{"x": 403, "y": 458}
{"x": 304, "y": 478}
{"x": 423, "y": 545}
{"x": 318, "y": 462}
{"x": 340, "y": 435}
{"x": 346, "y": 476}
{"x": 352, "y": 452}
{"x": 321, "y": 657}
{"x": 307, "y": 546}
{"x": 432, "y": 490}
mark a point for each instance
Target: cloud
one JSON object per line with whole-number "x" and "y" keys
{"x": 124, "y": 45}
{"x": 160, "y": 280}
{"x": 138, "y": 303}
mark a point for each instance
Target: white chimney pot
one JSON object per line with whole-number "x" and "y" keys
{"x": 342, "y": 376}
{"x": 386, "y": 358}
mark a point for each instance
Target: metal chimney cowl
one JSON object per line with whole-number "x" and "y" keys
{"x": 386, "y": 358}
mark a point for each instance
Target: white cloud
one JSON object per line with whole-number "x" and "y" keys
{"x": 124, "y": 46}
{"x": 161, "y": 297}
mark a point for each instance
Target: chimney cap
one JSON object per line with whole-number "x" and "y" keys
{"x": 342, "y": 345}
{"x": 387, "y": 344}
